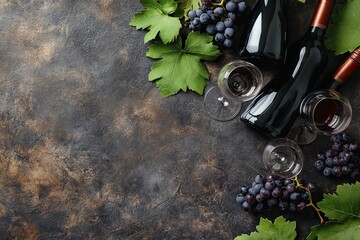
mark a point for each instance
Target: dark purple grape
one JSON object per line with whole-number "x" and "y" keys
{"x": 276, "y": 192}
{"x": 288, "y": 181}
{"x": 290, "y": 188}
{"x": 240, "y": 199}
{"x": 210, "y": 29}
{"x": 346, "y": 170}
{"x": 204, "y": 18}
{"x": 259, "y": 198}
{"x": 336, "y": 161}
{"x": 272, "y": 202}
{"x": 220, "y": 27}
{"x": 199, "y": 11}
{"x": 305, "y": 197}
{"x": 337, "y": 138}
{"x": 219, "y": 37}
{"x": 250, "y": 198}
{"x": 321, "y": 156}
{"x": 295, "y": 197}
{"x": 319, "y": 165}
{"x": 231, "y": 15}
{"x": 192, "y": 14}
{"x": 244, "y": 190}
{"x": 229, "y": 32}
{"x": 257, "y": 187}
{"x": 230, "y": 6}
{"x": 259, "y": 207}
{"x": 229, "y": 22}
{"x": 283, "y": 205}
{"x": 246, "y": 206}
{"x": 269, "y": 185}
{"x": 354, "y": 147}
{"x": 265, "y": 193}
{"x": 278, "y": 183}
{"x": 301, "y": 206}
{"x": 337, "y": 146}
{"x": 311, "y": 187}
{"x": 349, "y": 157}
{"x": 242, "y": 7}
{"x": 285, "y": 195}
{"x": 218, "y": 11}
{"x": 270, "y": 177}
{"x": 228, "y": 42}
{"x": 336, "y": 171}
{"x": 329, "y": 162}
{"x": 343, "y": 162}
{"x": 327, "y": 171}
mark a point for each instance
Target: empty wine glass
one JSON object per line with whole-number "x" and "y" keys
{"x": 283, "y": 157}
{"x": 324, "y": 112}
{"x": 238, "y": 81}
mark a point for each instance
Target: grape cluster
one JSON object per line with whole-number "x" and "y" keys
{"x": 218, "y": 19}
{"x": 342, "y": 159}
{"x": 272, "y": 192}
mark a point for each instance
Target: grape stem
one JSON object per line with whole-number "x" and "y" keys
{"x": 219, "y": 4}
{"x": 311, "y": 203}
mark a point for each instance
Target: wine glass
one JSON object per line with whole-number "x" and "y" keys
{"x": 238, "y": 81}
{"x": 324, "y": 112}
{"x": 283, "y": 157}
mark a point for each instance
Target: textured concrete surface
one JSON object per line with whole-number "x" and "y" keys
{"x": 90, "y": 150}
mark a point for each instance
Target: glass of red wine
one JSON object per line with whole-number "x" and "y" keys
{"x": 238, "y": 81}
{"x": 324, "y": 112}
{"x": 283, "y": 157}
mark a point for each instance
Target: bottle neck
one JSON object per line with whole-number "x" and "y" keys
{"x": 343, "y": 73}
{"x": 321, "y": 17}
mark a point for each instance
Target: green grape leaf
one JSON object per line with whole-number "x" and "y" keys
{"x": 266, "y": 230}
{"x": 343, "y": 210}
{"x": 348, "y": 230}
{"x": 156, "y": 18}
{"x": 344, "y": 33}
{"x": 185, "y": 6}
{"x": 180, "y": 67}
{"x": 343, "y": 204}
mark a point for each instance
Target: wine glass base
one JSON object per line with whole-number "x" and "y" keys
{"x": 283, "y": 157}
{"x": 219, "y": 107}
{"x": 302, "y": 135}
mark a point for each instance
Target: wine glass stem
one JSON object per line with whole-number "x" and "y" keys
{"x": 223, "y": 101}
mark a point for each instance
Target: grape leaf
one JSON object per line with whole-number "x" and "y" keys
{"x": 344, "y": 33}
{"x": 343, "y": 211}
{"x": 156, "y": 18}
{"x": 181, "y": 68}
{"x": 266, "y": 230}
{"x": 348, "y": 230}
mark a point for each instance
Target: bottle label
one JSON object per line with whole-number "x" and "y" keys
{"x": 322, "y": 14}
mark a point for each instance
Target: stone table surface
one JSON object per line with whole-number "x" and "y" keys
{"x": 89, "y": 149}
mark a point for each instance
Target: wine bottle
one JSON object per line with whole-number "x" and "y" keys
{"x": 264, "y": 38}
{"x": 350, "y": 65}
{"x": 275, "y": 108}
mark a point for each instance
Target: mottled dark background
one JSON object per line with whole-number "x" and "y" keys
{"x": 90, "y": 150}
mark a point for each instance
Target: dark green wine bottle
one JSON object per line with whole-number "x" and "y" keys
{"x": 263, "y": 40}
{"x": 275, "y": 108}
